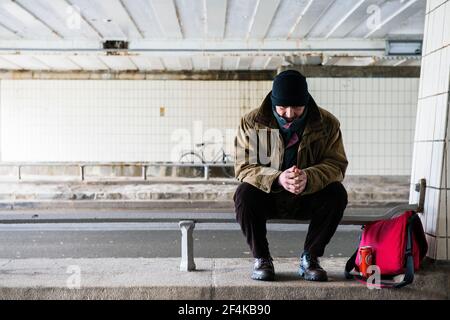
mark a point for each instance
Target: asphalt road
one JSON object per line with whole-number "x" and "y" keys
{"x": 150, "y": 240}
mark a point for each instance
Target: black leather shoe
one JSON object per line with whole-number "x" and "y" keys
{"x": 310, "y": 268}
{"x": 263, "y": 269}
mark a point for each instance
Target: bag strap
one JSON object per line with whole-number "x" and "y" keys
{"x": 350, "y": 265}
{"x": 409, "y": 259}
{"x": 409, "y": 272}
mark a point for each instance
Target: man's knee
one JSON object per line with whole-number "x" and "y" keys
{"x": 335, "y": 192}
{"x": 247, "y": 197}
{"x": 247, "y": 193}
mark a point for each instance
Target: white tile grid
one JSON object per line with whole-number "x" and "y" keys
{"x": 444, "y": 71}
{"x": 432, "y": 243}
{"x": 119, "y": 120}
{"x": 444, "y": 74}
{"x": 413, "y": 195}
{"x": 422, "y": 161}
{"x": 431, "y": 63}
{"x": 441, "y": 117}
{"x": 438, "y": 28}
{"x": 431, "y": 207}
{"x": 446, "y": 27}
{"x": 426, "y": 129}
{"x": 432, "y": 4}
{"x": 441, "y": 216}
{"x": 437, "y": 163}
{"x": 442, "y": 253}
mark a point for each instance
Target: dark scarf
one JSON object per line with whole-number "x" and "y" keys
{"x": 292, "y": 134}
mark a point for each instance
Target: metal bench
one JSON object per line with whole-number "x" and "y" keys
{"x": 187, "y": 226}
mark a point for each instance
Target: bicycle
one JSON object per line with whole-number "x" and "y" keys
{"x": 193, "y": 156}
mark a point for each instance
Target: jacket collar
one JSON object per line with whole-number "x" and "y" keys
{"x": 265, "y": 116}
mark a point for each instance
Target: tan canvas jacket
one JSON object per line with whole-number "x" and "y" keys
{"x": 259, "y": 149}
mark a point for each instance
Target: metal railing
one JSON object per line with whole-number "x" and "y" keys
{"x": 116, "y": 170}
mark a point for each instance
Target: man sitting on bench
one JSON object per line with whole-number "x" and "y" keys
{"x": 291, "y": 161}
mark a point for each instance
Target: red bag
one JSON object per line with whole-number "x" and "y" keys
{"x": 398, "y": 247}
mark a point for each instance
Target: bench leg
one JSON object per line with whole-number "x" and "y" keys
{"x": 187, "y": 245}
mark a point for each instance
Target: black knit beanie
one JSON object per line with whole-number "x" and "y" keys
{"x": 289, "y": 89}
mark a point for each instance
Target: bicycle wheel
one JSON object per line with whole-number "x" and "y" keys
{"x": 227, "y": 171}
{"x": 191, "y": 157}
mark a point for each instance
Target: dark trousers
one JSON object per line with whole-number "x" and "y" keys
{"x": 324, "y": 209}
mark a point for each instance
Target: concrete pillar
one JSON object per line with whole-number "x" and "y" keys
{"x": 187, "y": 245}
{"x": 432, "y": 134}
{"x": 0, "y": 120}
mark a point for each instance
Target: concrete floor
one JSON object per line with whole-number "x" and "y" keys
{"x": 227, "y": 279}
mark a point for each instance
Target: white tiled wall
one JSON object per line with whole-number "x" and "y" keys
{"x": 121, "y": 120}
{"x": 431, "y": 141}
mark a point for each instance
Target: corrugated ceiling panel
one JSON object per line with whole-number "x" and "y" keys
{"x": 332, "y": 16}
{"x": 215, "y": 63}
{"x": 57, "y": 62}
{"x": 101, "y": 19}
{"x": 62, "y": 17}
{"x": 15, "y": 18}
{"x": 172, "y": 63}
{"x": 289, "y": 11}
{"x": 239, "y": 17}
{"x": 26, "y": 62}
{"x": 377, "y": 15}
{"x": 200, "y": 62}
{"x": 230, "y": 63}
{"x": 8, "y": 65}
{"x": 7, "y": 34}
{"x": 191, "y": 15}
{"x": 142, "y": 62}
{"x": 118, "y": 62}
{"x": 258, "y": 63}
{"x": 89, "y": 62}
{"x": 145, "y": 18}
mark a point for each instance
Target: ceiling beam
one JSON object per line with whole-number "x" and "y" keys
{"x": 215, "y": 12}
{"x": 262, "y": 18}
{"x": 213, "y": 47}
{"x": 167, "y": 17}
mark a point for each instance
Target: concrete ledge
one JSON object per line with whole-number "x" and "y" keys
{"x": 157, "y": 171}
{"x": 227, "y": 279}
{"x": 117, "y": 204}
{"x": 114, "y": 171}
{"x": 361, "y": 191}
{"x": 9, "y": 173}
{"x": 50, "y": 173}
